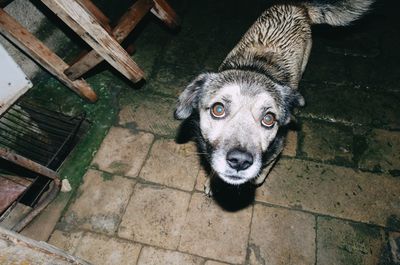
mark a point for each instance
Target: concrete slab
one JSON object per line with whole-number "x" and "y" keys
{"x": 152, "y": 114}
{"x": 67, "y": 241}
{"x": 104, "y": 250}
{"x": 335, "y": 191}
{"x": 382, "y": 152}
{"x": 155, "y": 256}
{"x": 123, "y": 151}
{"x": 172, "y": 164}
{"x": 100, "y": 203}
{"x": 323, "y": 141}
{"x": 155, "y": 216}
{"x": 280, "y": 236}
{"x": 342, "y": 242}
{"x": 213, "y": 233}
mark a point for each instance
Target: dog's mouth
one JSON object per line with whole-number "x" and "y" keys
{"x": 233, "y": 179}
{"x": 232, "y": 174}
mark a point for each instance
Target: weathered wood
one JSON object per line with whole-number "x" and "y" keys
{"x": 28, "y": 164}
{"x": 86, "y": 26}
{"x": 97, "y": 13}
{"x": 38, "y": 169}
{"x": 131, "y": 18}
{"x": 10, "y": 191}
{"x": 17, "y": 249}
{"x": 165, "y": 13}
{"x": 39, "y": 52}
{"x": 124, "y": 26}
{"x": 20, "y": 180}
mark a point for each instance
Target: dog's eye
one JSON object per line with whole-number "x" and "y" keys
{"x": 268, "y": 120}
{"x": 218, "y": 110}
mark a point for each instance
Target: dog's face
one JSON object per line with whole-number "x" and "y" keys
{"x": 240, "y": 114}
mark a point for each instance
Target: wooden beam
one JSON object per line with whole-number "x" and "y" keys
{"x": 39, "y": 52}
{"x": 96, "y": 12}
{"x": 165, "y": 13}
{"x": 87, "y": 27}
{"x": 124, "y": 26}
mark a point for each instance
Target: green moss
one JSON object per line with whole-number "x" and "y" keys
{"x": 393, "y": 222}
{"x": 49, "y": 92}
{"x": 119, "y": 167}
{"x": 107, "y": 176}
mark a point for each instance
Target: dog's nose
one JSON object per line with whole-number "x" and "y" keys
{"x": 238, "y": 159}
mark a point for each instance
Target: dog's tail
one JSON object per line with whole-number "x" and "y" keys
{"x": 336, "y": 12}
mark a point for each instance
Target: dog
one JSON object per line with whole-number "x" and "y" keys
{"x": 242, "y": 110}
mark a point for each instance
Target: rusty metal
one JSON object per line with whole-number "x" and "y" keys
{"x": 28, "y": 164}
{"x": 54, "y": 190}
{"x": 37, "y": 141}
{"x": 38, "y": 169}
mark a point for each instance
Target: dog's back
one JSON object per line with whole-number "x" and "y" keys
{"x": 279, "y": 42}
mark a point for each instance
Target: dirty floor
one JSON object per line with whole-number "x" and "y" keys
{"x": 333, "y": 197}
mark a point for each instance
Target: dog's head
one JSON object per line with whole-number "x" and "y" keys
{"x": 240, "y": 113}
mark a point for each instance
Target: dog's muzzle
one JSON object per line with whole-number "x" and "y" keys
{"x": 239, "y": 159}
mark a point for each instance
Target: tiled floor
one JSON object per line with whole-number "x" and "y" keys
{"x": 333, "y": 197}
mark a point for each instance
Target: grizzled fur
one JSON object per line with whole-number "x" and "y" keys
{"x": 259, "y": 76}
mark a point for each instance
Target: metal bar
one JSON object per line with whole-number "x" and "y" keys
{"x": 27, "y": 126}
{"x": 26, "y": 151}
{"x": 44, "y": 126}
{"x": 37, "y": 142}
{"x": 28, "y": 164}
{"x": 31, "y": 141}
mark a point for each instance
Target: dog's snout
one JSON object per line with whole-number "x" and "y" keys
{"x": 239, "y": 160}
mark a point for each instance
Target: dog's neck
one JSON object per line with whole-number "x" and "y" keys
{"x": 277, "y": 44}
{"x": 265, "y": 64}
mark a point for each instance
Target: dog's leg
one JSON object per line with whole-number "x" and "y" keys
{"x": 207, "y": 187}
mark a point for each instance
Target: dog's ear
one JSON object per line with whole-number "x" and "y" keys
{"x": 291, "y": 98}
{"x": 189, "y": 99}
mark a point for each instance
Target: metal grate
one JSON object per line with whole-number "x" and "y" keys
{"x": 41, "y": 135}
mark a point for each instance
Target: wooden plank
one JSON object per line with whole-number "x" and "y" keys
{"x": 97, "y": 13}
{"x": 18, "y": 249}
{"x": 86, "y": 26}
{"x": 165, "y": 13}
{"x": 28, "y": 164}
{"x": 10, "y": 191}
{"x": 131, "y": 18}
{"x": 39, "y": 52}
{"x": 124, "y": 26}
{"x": 17, "y": 179}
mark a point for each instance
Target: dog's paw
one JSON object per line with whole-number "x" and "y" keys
{"x": 207, "y": 188}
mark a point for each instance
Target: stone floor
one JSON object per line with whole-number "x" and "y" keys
{"x": 333, "y": 197}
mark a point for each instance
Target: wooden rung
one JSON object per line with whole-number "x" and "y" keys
{"x": 39, "y": 52}
{"x": 101, "y": 18}
{"x": 87, "y": 27}
{"x": 124, "y": 26}
{"x": 165, "y": 13}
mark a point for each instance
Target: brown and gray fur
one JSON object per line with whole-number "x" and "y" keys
{"x": 261, "y": 73}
